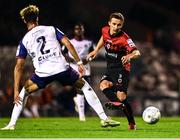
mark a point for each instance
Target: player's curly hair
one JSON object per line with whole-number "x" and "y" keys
{"x": 117, "y": 16}
{"x": 29, "y": 13}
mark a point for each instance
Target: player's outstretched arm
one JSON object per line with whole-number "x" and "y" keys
{"x": 128, "y": 57}
{"x": 93, "y": 54}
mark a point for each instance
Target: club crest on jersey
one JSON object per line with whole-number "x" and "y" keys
{"x": 108, "y": 44}
{"x": 119, "y": 81}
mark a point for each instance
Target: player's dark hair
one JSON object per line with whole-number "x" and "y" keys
{"x": 30, "y": 13}
{"x": 117, "y": 16}
{"x": 79, "y": 24}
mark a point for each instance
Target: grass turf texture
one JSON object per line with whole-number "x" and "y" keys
{"x": 71, "y": 128}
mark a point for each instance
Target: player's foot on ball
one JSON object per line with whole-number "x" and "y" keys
{"x": 132, "y": 126}
{"x": 8, "y": 127}
{"x": 114, "y": 105}
{"x": 109, "y": 122}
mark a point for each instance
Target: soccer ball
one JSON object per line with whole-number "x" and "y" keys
{"x": 151, "y": 115}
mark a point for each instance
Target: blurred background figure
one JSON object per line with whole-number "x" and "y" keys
{"x": 32, "y": 107}
{"x": 48, "y": 103}
{"x": 83, "y": 46}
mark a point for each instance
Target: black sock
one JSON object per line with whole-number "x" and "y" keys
{"x": 128, "y": 111}
{"x": 110, "y": 94}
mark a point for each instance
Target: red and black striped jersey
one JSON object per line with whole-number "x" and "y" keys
{"x": 117, "y": 46}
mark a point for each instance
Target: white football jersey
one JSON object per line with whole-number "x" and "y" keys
{"x": 42, "y": 44}
{"x": 82, "y": 48}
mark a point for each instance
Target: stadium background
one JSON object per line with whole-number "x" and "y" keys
{"x": 153, "y": 25}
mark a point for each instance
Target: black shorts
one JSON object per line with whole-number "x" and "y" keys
{"x": 119, "y": 78}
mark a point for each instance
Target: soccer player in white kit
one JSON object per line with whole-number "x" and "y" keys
{"x": 83, "y": 47}
{"x": 43, "y": 44}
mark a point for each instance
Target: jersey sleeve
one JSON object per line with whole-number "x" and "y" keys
{"x": 21, "y": 51}
{"x": 59, "y": 34}
{"x": 104, "y": 31}
{"x": 130, "y": 46}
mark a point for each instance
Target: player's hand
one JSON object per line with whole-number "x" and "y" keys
{"x": 91, "y": 55}
{"x": 126, "y": 59}
{"x": 17, "y": 99}
{"x": 81, "y": 70}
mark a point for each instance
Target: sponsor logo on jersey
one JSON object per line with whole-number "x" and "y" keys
{"x": 45, "y": 57}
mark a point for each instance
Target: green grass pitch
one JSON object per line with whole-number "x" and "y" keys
{"x": 70, "y": 127}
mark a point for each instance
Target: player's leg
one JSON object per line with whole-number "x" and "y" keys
{"x": 122, "y": 96}
{"x": 30, "y": 86}
{"x": 106, "y": 86}
{"x": 80, "y": 102}
{"x": 121, "y": 84}
{"x": 80, "y": 105}
{"x": 71, "y": 77}
{"x": 125, "y": 106}
{"x": 79, "y": 99}
{"x": 91, "y": 97}
{"x": 95, "y": 103}
{"x": 26, "y": 90}
{"x": 34, "y": 106}
{"x": 27, "y": 112}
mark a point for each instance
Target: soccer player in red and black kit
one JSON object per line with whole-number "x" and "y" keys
{"x": 120, "y": 49}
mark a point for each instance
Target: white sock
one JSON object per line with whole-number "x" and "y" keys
{"x": 27, "y": 113}
{"x": 93, "y": 100}
{"x": 17, "y": 109}
{"x": 34, "y": 109}
{"x": 80, "y": 105}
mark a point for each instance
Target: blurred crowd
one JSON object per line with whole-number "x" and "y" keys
{"x": 157, "y": 80}
{"x": 157, "y": 71}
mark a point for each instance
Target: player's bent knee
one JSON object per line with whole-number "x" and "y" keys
{"x": 110, "y": 94}
{"x": 30, "y": 86}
